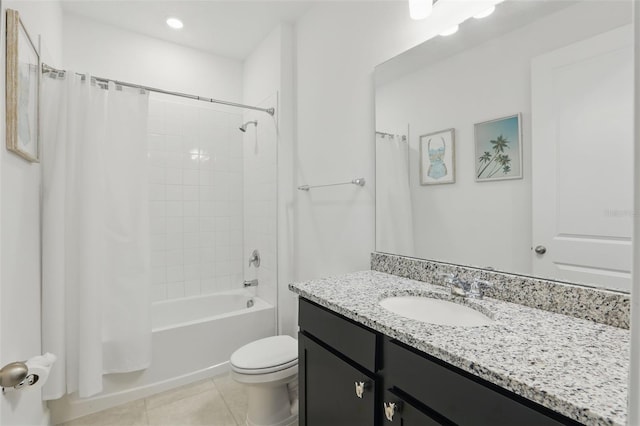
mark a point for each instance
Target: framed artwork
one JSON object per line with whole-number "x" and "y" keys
{"x": 23, "y": 90}
{"x": 437, "y": 158}
{"x": 498, "y": 149}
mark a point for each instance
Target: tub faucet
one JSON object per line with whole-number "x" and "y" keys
{"x": 251, "y": 283}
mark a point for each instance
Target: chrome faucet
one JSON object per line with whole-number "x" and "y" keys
{"x": 457, "y": 286}
{"x": 251, "y": 283}
{"x": 473, "y": 289}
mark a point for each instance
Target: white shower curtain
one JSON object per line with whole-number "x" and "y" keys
{"x": 95, "y": 233}
{"x": 394, "y": 211}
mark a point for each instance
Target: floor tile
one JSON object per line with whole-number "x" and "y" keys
{"x": 178, "y": 394}
{"x": 207, "y": 408}
{"x": 131, "y": 414}
{"x": 234, "y": 395}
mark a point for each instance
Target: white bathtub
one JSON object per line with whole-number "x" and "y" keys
{"x": 192, "y": 339}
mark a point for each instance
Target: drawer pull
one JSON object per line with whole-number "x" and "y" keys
{"x": 390, "y": 409}
{"x": 360, "y": 388}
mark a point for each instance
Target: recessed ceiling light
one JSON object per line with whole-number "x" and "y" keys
{"x": 175, "y": 23}
{"x": 420, "y": 9}
{"x": 485, "y": 13}
{"x": 450, "y": 31}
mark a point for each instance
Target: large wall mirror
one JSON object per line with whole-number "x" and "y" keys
{"x": 509, "y": 145}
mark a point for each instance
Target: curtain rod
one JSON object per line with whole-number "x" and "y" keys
{"x": 391, "y": 135}
{"x": 271, "y": 111}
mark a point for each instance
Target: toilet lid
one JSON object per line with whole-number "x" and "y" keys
{"x": 266, "y": 355}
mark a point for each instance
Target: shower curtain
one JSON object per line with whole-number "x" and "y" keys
{"x": 95, "y": 232}
{"x": 394, "y": 211}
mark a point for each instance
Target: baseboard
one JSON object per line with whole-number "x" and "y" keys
{"x": 70, "y": 408}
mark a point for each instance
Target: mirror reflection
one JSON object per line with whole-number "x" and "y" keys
{"x": 509, "y": 145}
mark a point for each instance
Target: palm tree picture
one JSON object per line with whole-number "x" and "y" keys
{"x": 498, "y": 149}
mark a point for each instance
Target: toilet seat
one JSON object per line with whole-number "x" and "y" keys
{"x": 264, "y": 356}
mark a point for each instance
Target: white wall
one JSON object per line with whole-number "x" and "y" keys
{"x": 111, "y": 52}
{"x": 269, "y": 170}
{"x": 634, "y": 375}
{"x": 20, "y": 231}
{"x": 338, "y": 44}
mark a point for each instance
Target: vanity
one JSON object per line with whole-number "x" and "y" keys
{"x": 361, "y": 364}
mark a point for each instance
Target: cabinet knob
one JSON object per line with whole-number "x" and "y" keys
{"x": 360, "y": 388}
{"x": 390, "y": 409}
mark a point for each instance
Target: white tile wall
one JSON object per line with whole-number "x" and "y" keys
{"x": 260, "y": 195}
{"x": 196, "y": 199}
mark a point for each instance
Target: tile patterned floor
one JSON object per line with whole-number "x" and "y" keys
{"x": 213, "y": 402}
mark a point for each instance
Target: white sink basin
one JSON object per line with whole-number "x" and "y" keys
{"x": 435, "y": 311}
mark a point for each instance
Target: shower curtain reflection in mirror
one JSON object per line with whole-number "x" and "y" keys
{"x": 393, "y": 195}
{"x": 95, "y": 235}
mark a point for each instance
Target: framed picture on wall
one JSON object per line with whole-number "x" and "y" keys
{"x": 437, "y": 157}
{"x": 23, "y": 90}
{"x": 498, "y": 149}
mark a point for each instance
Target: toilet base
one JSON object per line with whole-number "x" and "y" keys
{"x": 270, "y": 405}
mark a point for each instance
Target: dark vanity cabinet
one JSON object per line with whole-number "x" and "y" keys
{"x": 454, "y": 396}
{"x": 337, "y": 364}
{"x": 352, "y": 375}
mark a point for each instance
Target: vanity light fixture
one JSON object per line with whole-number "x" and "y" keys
{"x": 420, "y": 9}
{"x": 175, "y": 23}
{"x": 485, "y": 13}
{"x": 451, "y": 30}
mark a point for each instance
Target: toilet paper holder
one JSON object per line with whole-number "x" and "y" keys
{"x": 30, "y": 374}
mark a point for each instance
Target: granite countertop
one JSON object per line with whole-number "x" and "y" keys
{"x": 576, "y": 367}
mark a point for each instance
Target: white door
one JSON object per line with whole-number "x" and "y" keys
{"x": 582, "y": 155}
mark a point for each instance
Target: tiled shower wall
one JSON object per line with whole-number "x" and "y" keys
{"x": 260, "y": 195}
{"x": 196, "y": 198}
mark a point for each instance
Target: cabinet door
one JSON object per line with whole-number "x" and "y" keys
{"x": 328, "y": 389}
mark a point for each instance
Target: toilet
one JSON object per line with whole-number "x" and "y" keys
{"x": 268, "y": 369}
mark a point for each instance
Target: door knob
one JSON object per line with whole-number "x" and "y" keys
{"x": 540, "y": 249}
{"x": 13, "y": 374}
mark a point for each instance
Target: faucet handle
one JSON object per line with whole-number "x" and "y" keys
{"x": 255, "y": 259}
{"x": 481, "y": 283}
{"x": 449, "y": 276}
{"x": 477, "y": 285}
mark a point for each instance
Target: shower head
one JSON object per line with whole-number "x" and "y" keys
{"x": 243, "y": 128}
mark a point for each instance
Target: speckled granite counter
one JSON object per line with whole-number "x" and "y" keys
{"x": 573, "y": 366}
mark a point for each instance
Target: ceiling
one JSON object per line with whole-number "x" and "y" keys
{"x": 230, "y": 28}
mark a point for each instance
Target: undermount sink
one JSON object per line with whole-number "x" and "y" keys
{"x": 435, "y": 311}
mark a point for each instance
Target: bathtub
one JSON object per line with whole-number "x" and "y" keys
{"x": 193, "y": 339}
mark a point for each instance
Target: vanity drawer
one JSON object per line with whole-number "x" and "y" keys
{"x": 345, "y": 336}
{"x": 459, "y": 396}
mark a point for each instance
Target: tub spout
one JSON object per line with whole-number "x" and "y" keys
{"x": 251, "y": 283}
